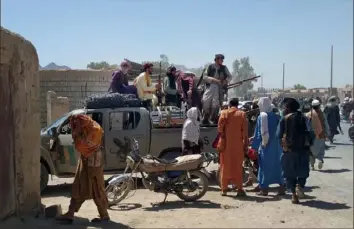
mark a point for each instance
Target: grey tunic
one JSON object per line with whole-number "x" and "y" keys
{"x": 214, "y": 95}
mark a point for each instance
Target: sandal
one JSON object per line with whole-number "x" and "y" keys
{"x": 100, "y": 220}
{"x": 256, "y": 189}
{"x": 281, "y": 190}
{"x": 262, "y": 193}
{"x": 299, "y": 192}
{"x": 295, "y": 199}
{"x": 241, "y": 193}
{"x": 64, "y": 219}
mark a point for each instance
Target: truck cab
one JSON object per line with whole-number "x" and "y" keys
{"x": 121, "y": 125}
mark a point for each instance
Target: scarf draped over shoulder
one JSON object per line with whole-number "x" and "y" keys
{"x": 191, "y": 128}
{"x": 265, "y": 106}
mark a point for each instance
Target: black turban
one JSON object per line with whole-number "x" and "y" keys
{"x": 292, "y": 104}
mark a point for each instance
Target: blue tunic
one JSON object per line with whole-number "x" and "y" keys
{"x": 269, "y": 158}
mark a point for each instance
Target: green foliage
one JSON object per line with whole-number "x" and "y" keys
{"x": 242, "y": 70}
{"x": 102, "y": 65}
{"x": 299, "y": 87}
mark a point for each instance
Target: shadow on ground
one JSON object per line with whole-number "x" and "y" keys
{"x": 259, "y": 199}
{"x": 168, "y": 205}
{"x": 57, "y": 190}
{"x": 324, "y": 205}
{"x": 65, "y": 189}
{"x": 328, "y": 157}
{"x": 85, "y": 223}
{"x": 334, "y": 170}
{"x": 42, "y": 223}
{"x": 125, "y": 207}
{"x": 342, "y": 144}
{"x": 310, "y": 188}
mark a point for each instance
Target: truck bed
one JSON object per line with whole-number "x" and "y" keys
{"x": 169, "y": 138}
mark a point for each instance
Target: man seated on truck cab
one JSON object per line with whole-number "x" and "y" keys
{"x": 119, "y": 81}
{"x": 144, "y": 86}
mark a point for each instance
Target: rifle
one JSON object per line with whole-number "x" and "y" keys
{"x": 201, "y": 78}
{"x": 159, "y": 93}
{"x": 239, "y": 83}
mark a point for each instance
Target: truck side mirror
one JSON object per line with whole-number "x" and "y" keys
{"x": 53, "y": 132}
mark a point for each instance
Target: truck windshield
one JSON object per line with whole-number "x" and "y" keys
{"x": 57, "y": 122}
{"x": 62, "y": 119}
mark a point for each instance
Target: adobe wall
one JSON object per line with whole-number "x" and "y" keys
{"x": 19, "y": 121}
{"x": 76, "y": 85}
{"x": 56, "y": 106}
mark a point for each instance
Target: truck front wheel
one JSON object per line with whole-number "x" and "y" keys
{"x": 44, "y": 177}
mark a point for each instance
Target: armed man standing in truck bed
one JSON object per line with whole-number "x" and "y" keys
{"x": 216, "y": 79}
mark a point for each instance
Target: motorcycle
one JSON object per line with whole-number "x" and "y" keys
{"x": 351, "y": 128}
{"x": 162, "y": 176}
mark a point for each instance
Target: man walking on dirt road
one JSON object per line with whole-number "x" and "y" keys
{"x": 233, "y": 141}
{"x": 89, "y": 178}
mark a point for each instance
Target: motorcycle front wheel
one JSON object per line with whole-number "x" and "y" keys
{"x": 199, "y": 184}
{"x": 118, "y": 191}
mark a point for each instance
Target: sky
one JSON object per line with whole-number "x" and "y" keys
{"x": 298, "y": 33}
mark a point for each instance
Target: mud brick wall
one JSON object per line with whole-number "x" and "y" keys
{"x": 56, "y": 106}
{"x": 76, "y": 85}
{"x": 19, "y": 122}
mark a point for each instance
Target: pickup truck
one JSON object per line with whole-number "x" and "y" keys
{"x": 120, "y": 125}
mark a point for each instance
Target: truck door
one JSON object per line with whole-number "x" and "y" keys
{"x": 68, "y": 156}
{"x": 123, "y": 127}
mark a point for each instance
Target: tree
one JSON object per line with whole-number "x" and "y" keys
{"x": 164, "y": 61}
{"x": 102, "y": 65}
{"x": 198, "y": 71}
{"x": 242, "y": 70}
{"x": 299, "y": 87}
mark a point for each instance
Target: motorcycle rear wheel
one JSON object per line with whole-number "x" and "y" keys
{"x": 204, "y": 184}
{"x": 119, "y": 190}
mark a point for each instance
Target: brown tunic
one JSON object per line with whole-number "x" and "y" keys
{"x": 89, "y": 178}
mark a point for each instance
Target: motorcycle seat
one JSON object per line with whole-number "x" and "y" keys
{"x": 165, "y": 161}
{"x": 181, "y": 163}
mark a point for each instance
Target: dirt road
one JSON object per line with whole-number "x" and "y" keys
{"x": 329, "y": 203}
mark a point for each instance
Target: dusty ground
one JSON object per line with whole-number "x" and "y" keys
{"x": 329, "y": 203}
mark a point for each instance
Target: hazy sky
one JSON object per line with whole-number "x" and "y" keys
{"x": 297, "y": 32}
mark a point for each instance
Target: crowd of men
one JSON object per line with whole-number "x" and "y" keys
{"x": 207, "y": 95}
{"x": 286, "y": 143}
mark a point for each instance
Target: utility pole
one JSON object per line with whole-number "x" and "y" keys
{"x": 331, "y": 82}
{"x": 262, "y": 84}
{"x": 283, "y": 77}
